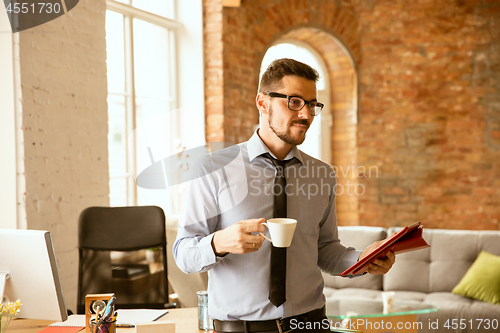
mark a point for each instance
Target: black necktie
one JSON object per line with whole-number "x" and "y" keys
{"x": 277, "y": 288}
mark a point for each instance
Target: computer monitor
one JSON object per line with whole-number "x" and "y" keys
{"x": 28, "y": 271}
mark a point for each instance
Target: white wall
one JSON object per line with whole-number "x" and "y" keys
{"x": 62, "y": 121}
{"x": 61, "y": 128}
{"x": 8, "y": 215}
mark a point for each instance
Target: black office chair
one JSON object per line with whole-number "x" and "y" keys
{"x": 135, "y": 282}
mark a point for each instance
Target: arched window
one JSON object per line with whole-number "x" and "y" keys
{"x": 317, "y": 143}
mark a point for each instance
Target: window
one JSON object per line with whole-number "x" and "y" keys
{"x": 317, "y": 142}
{"x": 141, "y": 65}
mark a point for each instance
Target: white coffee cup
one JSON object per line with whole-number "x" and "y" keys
{"x": 281, "y": 231}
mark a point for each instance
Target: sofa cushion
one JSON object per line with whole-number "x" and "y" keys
{"x": 359, "y": 238}
{"x": 411, "y": 270}
{"x": 482, "y": 280}
{"x": 440, "y": 267}
{"x": 409, "y": 297}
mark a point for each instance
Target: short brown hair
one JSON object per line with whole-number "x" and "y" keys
{"x": 279, "y": 68}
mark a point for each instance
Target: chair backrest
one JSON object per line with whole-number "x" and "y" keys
{"x": 112, "y": 243}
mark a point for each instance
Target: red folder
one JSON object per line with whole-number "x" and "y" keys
{"x": 61, "y": 329}
{"x": 406, "y": 240}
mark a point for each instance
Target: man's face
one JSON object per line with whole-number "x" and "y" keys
{"x": 291, "y": 126}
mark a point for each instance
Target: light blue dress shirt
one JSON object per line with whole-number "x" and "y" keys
{"x": 236, "y": 184}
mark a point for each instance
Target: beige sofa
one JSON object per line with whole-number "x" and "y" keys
{"x": 423, "y": 276}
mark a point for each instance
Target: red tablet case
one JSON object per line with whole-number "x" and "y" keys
{"x": 406, "y": 240}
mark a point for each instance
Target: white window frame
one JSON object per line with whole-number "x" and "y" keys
{"x": 187, "y": 90}
{"x": 130, "y": 13}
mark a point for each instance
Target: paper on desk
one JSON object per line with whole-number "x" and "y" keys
{"x": 61, "y": 329}
{"x": 125, "y": 317}
{"x": 72, "y": 321}
{"x": 130, "y": 317}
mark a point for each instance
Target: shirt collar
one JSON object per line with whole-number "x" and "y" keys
{"x": 257, "y": 147}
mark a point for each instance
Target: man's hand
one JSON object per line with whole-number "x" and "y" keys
{"x": 381, "y": 265}
{"x": 238, "y": 238}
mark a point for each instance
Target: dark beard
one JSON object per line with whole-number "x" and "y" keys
{"x": 285, "y": 137}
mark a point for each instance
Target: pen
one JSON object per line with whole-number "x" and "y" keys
{"x": 125, "y": 325}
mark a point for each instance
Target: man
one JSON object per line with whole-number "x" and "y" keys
{"x": 219, "y": 233}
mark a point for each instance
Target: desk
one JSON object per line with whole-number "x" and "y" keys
{"x": 186, "y": 321}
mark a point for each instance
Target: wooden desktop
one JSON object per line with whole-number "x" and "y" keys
{"x": 186, "y": 321}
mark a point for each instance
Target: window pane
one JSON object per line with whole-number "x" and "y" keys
{"x": 155, "y": 127}
{"x": 158, "y": 7}
{"x": 155, "y": 124}
{"x": 158, "y": 198}
{"x": 115, "y": 58}
{"x": 118, "y": 192}
{"x": 312, "y": 143}
{"x": 117, "y": 136}
{"x": 148, "y": 108}
{"x": 151, "y": 60}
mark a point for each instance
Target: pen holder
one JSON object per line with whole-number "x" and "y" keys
{"x": 89, "y": 312}
{"x": 106, "y": 327}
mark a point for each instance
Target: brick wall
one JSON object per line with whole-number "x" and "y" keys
{"x": 212, "y": 36}
{"x": 429, "y": 91}
{"x": 64, "y": 128}
{"x": 425, "y": 118}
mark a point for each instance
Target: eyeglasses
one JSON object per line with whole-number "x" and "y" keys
{"x": 296, "y": 103}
